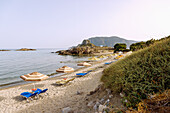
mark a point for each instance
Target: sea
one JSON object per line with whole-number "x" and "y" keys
{"x": 13, "y": 64}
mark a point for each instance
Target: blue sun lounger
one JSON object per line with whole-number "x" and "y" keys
{"x": 108, "y": 63}
{"x": 28, "y": 95}
{"x": 82, "y": 74}
{"x": 43, "y": 91}
{"x": 39, "y": 91}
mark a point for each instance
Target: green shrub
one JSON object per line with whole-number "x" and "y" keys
{"x": 142, "y": 45}
{"x": 119, "y": 47}
{"x": 144, "y": 72}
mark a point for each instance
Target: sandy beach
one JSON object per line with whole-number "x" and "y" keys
{"x": 70, "y": 95}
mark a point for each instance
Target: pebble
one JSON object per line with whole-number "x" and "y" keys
{"x": 97, "y": 103}
{"x": 121, "y": 94}
{"x": 101, "y": 108}
{"x": 126, "y": 100}
{"x": 90, "y": 104}
{"x": 102, "y": 100}
{"x": 107, "y": 102}
{"x": 66, "y": 110}
{"x": 110, "y": 96}
{"x": 95, "y": 107}
{"x": 108, "y": 91}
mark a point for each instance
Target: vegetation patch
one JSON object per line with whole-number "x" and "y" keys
{"x": 142, "y": 74}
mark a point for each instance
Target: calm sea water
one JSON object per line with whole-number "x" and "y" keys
{"x": 13, "y": 64}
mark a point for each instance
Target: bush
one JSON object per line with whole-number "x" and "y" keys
{"x": 119, "y": 47}
{"x": 142, "y": 45}
{"x": 144, "y": 72}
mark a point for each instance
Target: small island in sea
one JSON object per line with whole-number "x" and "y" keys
{"x": 4, "y": 50}
{"x": 25, "y": 49}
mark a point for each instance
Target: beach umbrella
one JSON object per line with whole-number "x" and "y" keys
{"x": 35, "y": 76}
{"x": 65, "y": 69}
{"x": 109, "y": 55}
{"x": 119, "y": 56}
{"x": 83, "y": 64}
{"x": 93, "y": 59}
{"x": 102, "y": 56}
{"x": 120, "y": 52}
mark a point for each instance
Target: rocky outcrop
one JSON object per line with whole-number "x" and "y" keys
{"x": 86, "y": 43}
{"x": 25, "y": 49}
{"x": 4, "y": 50}
{"x": 85, "y": 48}
{"x": 76, "y": 51}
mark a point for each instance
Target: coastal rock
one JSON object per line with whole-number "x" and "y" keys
{"x": 86, "y": 48}
{"x": 25, "y": 49}
{"x": 85, "y": 42}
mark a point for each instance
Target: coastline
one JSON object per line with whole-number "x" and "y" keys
{"x": 11, "y": 100}
{"x": 21, "y": 83}
{"x": 51, "y": 75}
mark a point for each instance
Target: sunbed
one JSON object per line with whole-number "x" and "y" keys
{"x": 28, "y": 95}
{"x": 39, "y": 91}
{"x": 83, "y": 74}
{"x": 108, "y": 63}
{"x": 43, "y": 91}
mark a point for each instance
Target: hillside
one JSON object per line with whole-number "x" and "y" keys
{"x": 142, "y": 74}
{"x": 110, "y": 41}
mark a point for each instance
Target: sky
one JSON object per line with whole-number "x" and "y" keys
{"x": 66, "y": 23}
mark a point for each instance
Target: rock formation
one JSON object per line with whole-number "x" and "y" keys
{"x": 25, "y": 49}
{"x": 85, "y": 48}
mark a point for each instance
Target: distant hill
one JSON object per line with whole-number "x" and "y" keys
{"x": 110, "y": 41}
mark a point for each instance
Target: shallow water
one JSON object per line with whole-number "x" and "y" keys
{"x": 13, "y": 64}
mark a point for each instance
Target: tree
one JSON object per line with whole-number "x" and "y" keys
{"x": 119, "y": 47}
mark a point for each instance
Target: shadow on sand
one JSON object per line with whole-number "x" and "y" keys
{"x": 1, "y": 98}
{"x": 19, "y": 98}
{"x": 31, "y": 86}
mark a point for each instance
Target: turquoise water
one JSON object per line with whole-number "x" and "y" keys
{"x": 13, "y": 64}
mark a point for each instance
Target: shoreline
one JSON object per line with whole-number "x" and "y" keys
{"x": 11, "y": 101}
{"x": 51, "y": 75}
{"x": 7, "y": 86}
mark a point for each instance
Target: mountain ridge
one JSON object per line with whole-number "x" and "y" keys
{"x": 110, "y": 41}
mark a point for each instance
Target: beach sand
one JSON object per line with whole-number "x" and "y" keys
{"x": 70, "y": 95}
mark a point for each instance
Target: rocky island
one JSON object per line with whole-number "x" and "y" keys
{"x": 25, "y": 49}
{"x": 85, "y": 48}
{"x": 4, "y": 50}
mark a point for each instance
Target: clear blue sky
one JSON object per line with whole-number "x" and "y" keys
{"x": 64, "y": 23}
